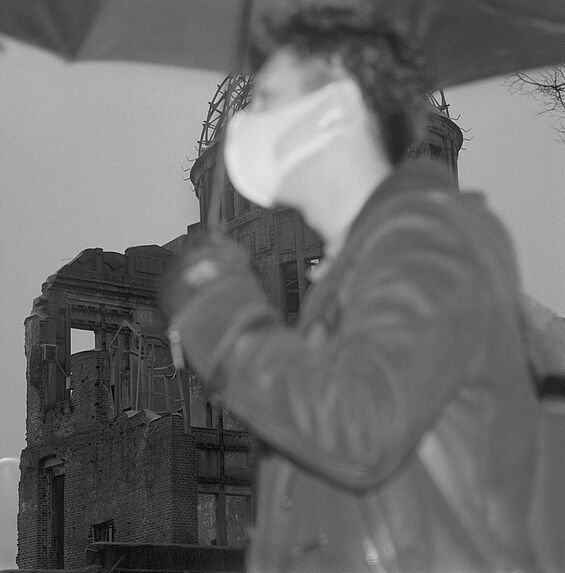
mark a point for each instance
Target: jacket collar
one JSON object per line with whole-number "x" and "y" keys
{"x": 412, "y": 175}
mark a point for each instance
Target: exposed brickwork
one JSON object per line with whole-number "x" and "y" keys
{"x": 30, "y": 523}
{"x": 98, "y": 461}
{"x": 127, "y": 471}
{"x": 35, "y": 335}
{"x": 184, "y": 484}
{"x": 189, "y": 558}
{"x": 90, "y": 388}
{"x": 120, "y": 472}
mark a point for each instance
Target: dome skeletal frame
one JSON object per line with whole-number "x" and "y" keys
{"x": 235, "y": 93}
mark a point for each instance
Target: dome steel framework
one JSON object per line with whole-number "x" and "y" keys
{"x": 235, "y": 93}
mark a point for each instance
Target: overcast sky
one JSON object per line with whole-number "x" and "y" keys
{"x": 91, "y": 155}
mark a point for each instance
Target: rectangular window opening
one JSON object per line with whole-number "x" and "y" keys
{"x": 291, "y": 292}
{"x": 230, "y": 201}
{"x": 207, "y": 508}
{"x": 435, "y": 151}
{"x": 207, "y": 463}
{"x": 202, "y": 413}
{"x": 310, "y": 268}
{"x": 58, "y": 520}
{"x": 238, "y": 519}
{"x": 103, "y": 531}
{"x": 82, "y": 340}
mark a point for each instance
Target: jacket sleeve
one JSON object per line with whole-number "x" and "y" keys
{"x": 353, "y": 408}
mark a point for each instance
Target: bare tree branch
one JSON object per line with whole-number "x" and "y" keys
{"x": 548, "y": 86}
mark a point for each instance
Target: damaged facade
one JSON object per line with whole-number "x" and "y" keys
{"x": 120, "y": 445}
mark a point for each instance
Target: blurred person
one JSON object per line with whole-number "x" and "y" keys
{"x": 398, "y": 418}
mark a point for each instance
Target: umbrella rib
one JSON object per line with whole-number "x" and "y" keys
{"x": 541, "y": 23}
{"x": 85, "y": 42}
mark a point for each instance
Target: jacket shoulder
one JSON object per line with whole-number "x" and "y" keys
{"x": 464, "y": 215}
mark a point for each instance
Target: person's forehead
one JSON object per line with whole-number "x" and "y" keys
{"x": 284, "y": 70}
{"x": 289, "y": 75}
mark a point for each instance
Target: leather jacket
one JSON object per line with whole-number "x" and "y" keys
{"x": 398, "y": 417}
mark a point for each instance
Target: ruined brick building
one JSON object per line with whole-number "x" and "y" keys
{"x": 122, "y": 447}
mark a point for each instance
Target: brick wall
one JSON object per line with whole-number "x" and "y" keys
{"x": 36, "y": 374}
{"x": 90, "y": 389}
{"x": 124, "y": 472}
{"x": 134, "y": 474}
{"x": 30, "y": 523}
{"x": 133, "y": 470}
{"x": 184, "y": 484}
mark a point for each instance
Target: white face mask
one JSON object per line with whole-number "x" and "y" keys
{"x": 263, "y": 147}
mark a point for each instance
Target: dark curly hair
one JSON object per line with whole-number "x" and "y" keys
{"x": 385, "y": 64}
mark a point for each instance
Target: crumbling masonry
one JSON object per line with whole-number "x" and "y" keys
{"x": 120, "y": 445}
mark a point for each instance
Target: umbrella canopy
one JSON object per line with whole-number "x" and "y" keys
{"x": 191, "y": 33}
{"x": 463, "y": 40}
{"x": 468, "y": 40}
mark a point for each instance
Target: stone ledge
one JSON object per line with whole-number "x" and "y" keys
{"x": 164, "y": 557}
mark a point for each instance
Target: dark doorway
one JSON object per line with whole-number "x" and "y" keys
{"x": 58, "y": 520}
